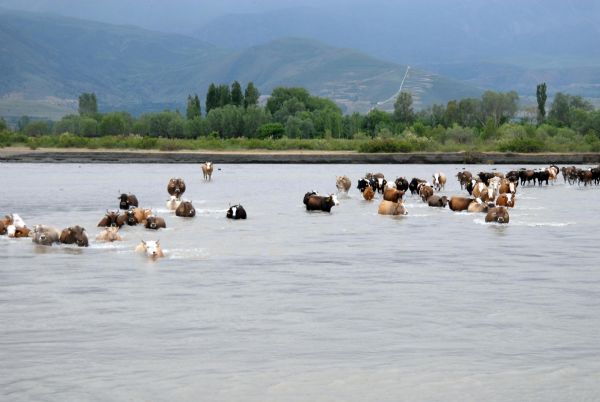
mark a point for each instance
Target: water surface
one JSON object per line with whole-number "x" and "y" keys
{"x": 297, "y": 306}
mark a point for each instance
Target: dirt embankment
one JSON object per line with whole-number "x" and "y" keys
{"x": 23, "y": 155}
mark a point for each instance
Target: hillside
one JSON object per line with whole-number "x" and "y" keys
{"x": 50, "y": 57}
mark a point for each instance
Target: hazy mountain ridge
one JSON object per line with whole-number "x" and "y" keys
{"x": 50, "y": 56}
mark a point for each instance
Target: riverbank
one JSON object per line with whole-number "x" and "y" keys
{"x": 25, "y": 155}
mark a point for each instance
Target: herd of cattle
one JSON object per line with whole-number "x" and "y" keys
{"x": 492, "y": 193}
{"x": 128, "y": 214}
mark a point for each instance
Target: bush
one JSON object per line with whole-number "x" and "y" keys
{"x": 271, "y": 130}
{"x": 522, "y": 144}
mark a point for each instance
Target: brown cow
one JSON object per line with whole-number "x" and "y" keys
{"x": 437, "y": 201}
{"x": 207, "y": 170}
{"x": 464, "y": 177}
{"x": 498, "y": 214}
{"x": 185, "y": 210}
{"x": 176, "y": 187}
{"x": 155, "y": 223}
{"x": 111, "y": 218}
{"x": 506, "y": 200}
{"x": 3, "y": 230}
{"x": 74, "y": 235}
{"x": 480, "y": 190}
{"x": 368, "y": 194}
{"x": 458, "y": 203}
{"x": 439, "y": 181}
{"x": 391, "y": 194}
{"x": 18, "y": 232}
{"x": 391, "y": 208}
{"x": 316, "y": 202}
{"x": 507, "y": 186}
{"x": 425, "y": 192}
{"x": 141, "y": 214}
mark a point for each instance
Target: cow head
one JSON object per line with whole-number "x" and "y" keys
{"x": 131, "y": 219}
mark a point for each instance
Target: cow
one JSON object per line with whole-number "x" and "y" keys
{"x": 401, "y": 184}
{"x": 425, "y": 191}
{"x": 18, "y": 232}
{"x": 368, "y": 194}
{"x": 569, "y": 174}
{"x": 343, "y": 184}
{"x": 3, "y": 230}
{"x": 596, "y": 175}
{"x": 362, "y": 184}
{"x": 45, "y": 235}
{"x": 478, "y": 206}
{"x": 437, "y": 201}
{"x": 507, "y": 186}
{"x": 10, "y": 224}
{"x": 391, "y": 208}
{"x": 414, "y": 184}
{"x": 315, "y": 202}
{"x": 111, "y": 219}
{"x": 585, "y": 176}
{"x": 480, "y": 190}
{"x": 74, "y": 235}
{"x": 151, "y": 249}
{"x": 128, "y": 217}
{"x": 497, "y": 214}
{"x": 485, "y": 176}
{"x": 458, "y": 203}
{"x": 506, "y": 200}
{"x": 236, "y": 212}
{"x": 391, "y": 194}
{"x": 109, "y": 234}
{"x": 185, "y": 210}
{"x": 379, "y": 182}
{"x": 207, "y": 170}
{"x": 553, "y": 171}
{"x": 493, "y": 187}
{"x": 173, "y": 202}
{"x": 527, "y": 175}
{"x": 439, "y": 181}
{"x": 155, "y": 223}
{"x": 464, "y": 177}
{"x": 127, "y": 201}
{"x": 176, "y": 187}
{"x": 541, "y": 176}
{"x": 513, "y": 176}
{"x": 141, "y": 214}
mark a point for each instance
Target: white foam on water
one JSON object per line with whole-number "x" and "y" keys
{"x": 185, "y": 254}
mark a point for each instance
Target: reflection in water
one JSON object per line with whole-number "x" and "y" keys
{"x": 291, "y": 305}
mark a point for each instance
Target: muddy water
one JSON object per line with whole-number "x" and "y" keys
{"x": 296, "y": 306}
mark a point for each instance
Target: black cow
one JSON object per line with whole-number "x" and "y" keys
{"x": 401, "y": 184}
{"x": 541, "y": 175}
{"x": 315, "y": 202}
{"x": 414, "y": 184}
{"x": 236, "y": 212}
{"x": 127, "y": 201}
{"x": 364, "y": 183}
{"x": 485, "y": 177}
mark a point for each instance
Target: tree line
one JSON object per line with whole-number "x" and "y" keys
{"x": 493, "y": 120}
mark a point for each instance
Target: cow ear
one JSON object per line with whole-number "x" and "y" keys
{"x": 158, "y": 242}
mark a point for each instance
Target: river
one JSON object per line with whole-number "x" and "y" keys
{"x": 297, "y": 306}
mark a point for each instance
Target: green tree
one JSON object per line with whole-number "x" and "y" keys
{"x": 403, "y": 110}
{"x": 251, "y": 95}
{"x": 37, "y": 128}
{"x": 224, "y": 95}
{"x": 270, "y": 130}
{"x": 23, "y": 122}
{"x": 88, "y": 105}
{"x": 540, "y": 93}
{"x": 237, "y": 97}
{"x": 115, "y": 123}
{"x": 193, "y": 107}
{"x": 3, "y": 125}
{"x": 212, "y": 98}
{"x": 282, "y": 94}
{"x": 88, "y": 127}
{"x": 498, "y": 106}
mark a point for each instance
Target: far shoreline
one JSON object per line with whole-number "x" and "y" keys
{"x": 82, "y": 156}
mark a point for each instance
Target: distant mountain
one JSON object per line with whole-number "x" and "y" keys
{"x": 50, "y": 57}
